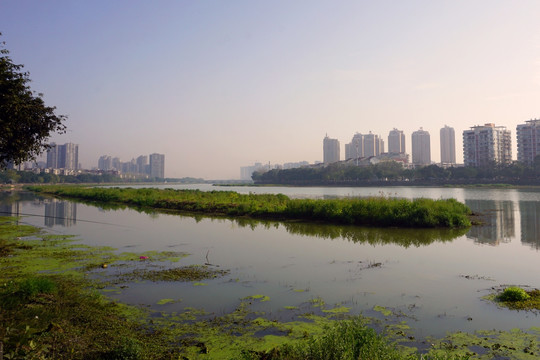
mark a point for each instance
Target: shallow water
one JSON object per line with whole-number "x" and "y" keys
{"x": 435, "y": 279}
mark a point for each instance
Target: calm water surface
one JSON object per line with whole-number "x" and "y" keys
{"x": 435, "y": 278}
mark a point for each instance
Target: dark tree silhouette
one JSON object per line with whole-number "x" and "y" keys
{"x": 25, "y": 121}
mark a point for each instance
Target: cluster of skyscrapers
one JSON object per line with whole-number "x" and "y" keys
{"x": 372, "y": 145}
{"x": 483, "y": 145}
{"x": 152, "y": 165}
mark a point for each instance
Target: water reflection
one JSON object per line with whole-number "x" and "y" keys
{"x": 498, "y": 219}
{"x": 9, "y": 203}
{"x": 362, "y": 235}
{"x": 530, "y": 224}
{"x": 59, "y": 212}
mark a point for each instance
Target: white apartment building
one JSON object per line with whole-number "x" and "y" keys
{"x": 373, "y": 145}
{"x": 421, "y": 147}
{"x": 355, "y": 149}
{"x": 448, "y": 145}
{"x": 330, "y": 150}
{"x": 528, "y": 141}
{"x": 396, "y": 141}
{"x": 487, "y": 145}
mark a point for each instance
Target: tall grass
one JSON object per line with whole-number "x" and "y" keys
{"x": 374, "y": 211}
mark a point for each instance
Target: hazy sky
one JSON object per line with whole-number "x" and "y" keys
{"x": 215, "y": 85}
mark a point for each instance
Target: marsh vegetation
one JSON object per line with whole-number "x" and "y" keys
{"x": 374, "y": 211}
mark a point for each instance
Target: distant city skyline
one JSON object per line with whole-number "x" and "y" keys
{"x": 217, "y": 85}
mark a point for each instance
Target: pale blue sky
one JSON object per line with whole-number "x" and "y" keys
{"x": 215, "y": 85}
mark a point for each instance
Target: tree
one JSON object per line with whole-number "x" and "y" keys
{"x": 25, "y": 121}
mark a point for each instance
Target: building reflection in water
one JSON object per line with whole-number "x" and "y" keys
{"x": 9, "y": 204}
{"x": 530, "y": 223}
{"x": 498, "y": 220}
{"x": 58, "y": 212}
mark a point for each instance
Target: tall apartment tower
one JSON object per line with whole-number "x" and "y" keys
{"x": 421, "y": 147}
{"x": 105, "y": 163}
{"x": 355, "y": 149}
{"x": 330, "y": 150}
{"x": 396, "y": 141}
{"x": 528, "y": 141}
{"x": 157, "y": 165}
{"x": 142, "y": 164}
{"x": 448, "y": 146}
{"x": 487, "y": 145}
{"x": 68, "y": 156}
{"x": 373, "y": 145}
{"x": 52, "y": 156}
{"x": 63, "y": 156}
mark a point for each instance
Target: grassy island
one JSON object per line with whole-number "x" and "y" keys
{"x": 373, "y": 211}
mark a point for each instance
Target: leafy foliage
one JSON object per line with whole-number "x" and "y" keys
{"x": 25, "y": 121}
{"x": 349, "y": 174}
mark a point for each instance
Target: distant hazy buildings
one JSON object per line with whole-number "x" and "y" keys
{"x": 396, "y": 141}
{"x": 448, "y": 146}
{"x": 487, "y": 145}
{"x": 373, "y": 145}
{"x": 330, "y": 150}
{"x": 355, "y": 149}
{"x": 142, "y": 164}
{"x": 135, "y": 167}
{"x": 105, "y": 163}
{"x": 63, "y": 156}
{"x": 528, "y": 141}
{"x": 421, "y": 147}
{"x": 157, "y": 165}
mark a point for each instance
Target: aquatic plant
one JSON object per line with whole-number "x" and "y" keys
{"x": 373, "y": 211}
{"x": 512, "y": 294}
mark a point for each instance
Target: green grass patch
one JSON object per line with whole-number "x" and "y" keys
{"x": 373, "y": 211}
{"x": 516, "y": 298}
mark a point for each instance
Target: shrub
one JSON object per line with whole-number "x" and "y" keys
{"x": 513, "y": 294}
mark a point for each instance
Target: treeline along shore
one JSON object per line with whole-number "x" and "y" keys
{"x": 372, "y": 211}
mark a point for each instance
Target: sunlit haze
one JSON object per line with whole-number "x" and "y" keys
{"x": 216, "y": 85}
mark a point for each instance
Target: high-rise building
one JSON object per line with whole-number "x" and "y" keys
{"x": 157, "y": 165}
{"x": 142, "y": 164}
{"x": 528, "y": 141}
{"x": 448, "y": 145}
{"x": 116, "y": 163}
{"x": 355, "y": 149}
{"x": 373, "y": 145}
{"x": 396, "y": 141}
{"x": 421, "y": 147}
{"x": 330, "y": 150}
{"x": 52, "y": 156}
{"x": 105, "y": 163}
{"x": 63, "y": 156}
{"x": 487, "y": 145}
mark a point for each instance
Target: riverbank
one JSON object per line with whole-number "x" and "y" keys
{"x": 52, "y": 307}
{"x": 374, "y": 211}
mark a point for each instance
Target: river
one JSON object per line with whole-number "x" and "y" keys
{"x": 433, "y": 279}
